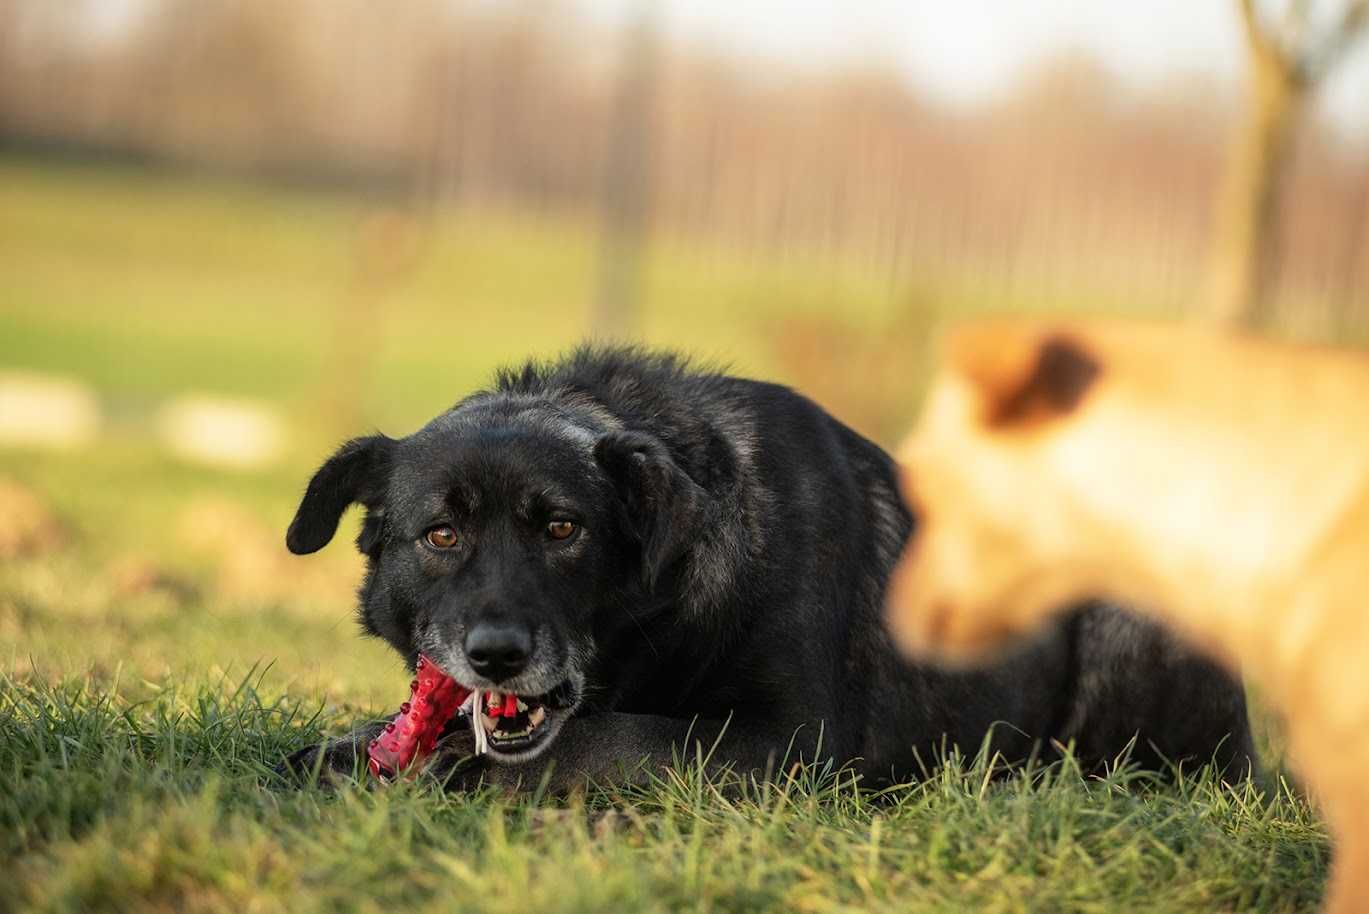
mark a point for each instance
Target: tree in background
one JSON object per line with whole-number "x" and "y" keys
{"x": 1289, "y": 56}
{"x": 627, "y": 184}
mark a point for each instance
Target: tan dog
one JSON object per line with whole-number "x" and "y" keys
{"x": 1223, "y": 483}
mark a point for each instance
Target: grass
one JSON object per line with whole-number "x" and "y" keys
{"x": 236, "y": 289}
{"x": 163, "y": 652}
{"x": 168, "y": 803}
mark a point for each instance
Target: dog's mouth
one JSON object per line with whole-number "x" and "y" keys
{"x": 516, "y": 727}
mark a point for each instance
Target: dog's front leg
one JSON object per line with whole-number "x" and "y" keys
{"x": 344, "y": 757}
{"x": 616, "y": 748}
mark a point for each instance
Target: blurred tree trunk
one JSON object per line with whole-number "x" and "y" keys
{"x": 389, "y": 245}
{"x": 1286, "y": 65}
{"x": 1352, "y": 296}
{"x": 1246, "y": 245}
{"x": 627, "y": 186}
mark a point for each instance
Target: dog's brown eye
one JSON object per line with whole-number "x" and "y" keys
{"x": 561, "y": 529}
{"x": 441, "y": 537}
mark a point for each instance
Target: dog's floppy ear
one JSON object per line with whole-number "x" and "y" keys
{"x": 358, "y": 472}
{"x": 1021, "y": 376}
{"x": 663, "y": 506}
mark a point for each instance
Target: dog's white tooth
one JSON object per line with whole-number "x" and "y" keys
{"x": 537, "y": 715}
{"x": 522, "y": 705}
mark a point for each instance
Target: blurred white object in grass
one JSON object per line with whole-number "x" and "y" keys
{"x": 46, "y": 410}
{"x": 222, "y": 432}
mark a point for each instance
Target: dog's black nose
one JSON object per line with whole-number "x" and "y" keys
{"x": 498, "y": 650}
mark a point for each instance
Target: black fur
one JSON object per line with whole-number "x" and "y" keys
{"x": 731, "y": 560}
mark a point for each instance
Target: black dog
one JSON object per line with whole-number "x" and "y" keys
{"x": 642, "y": 552}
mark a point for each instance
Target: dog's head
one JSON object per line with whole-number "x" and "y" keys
{"x": 502, "y": 540}
{"x": 1167, "y": 467}
{"x": 978, "y": 473}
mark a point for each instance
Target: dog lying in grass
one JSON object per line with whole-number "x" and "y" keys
{"x": 1222, "y": 482}
{"x": 635, "y": 560}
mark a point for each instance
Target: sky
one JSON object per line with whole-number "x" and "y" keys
{"x": 965, "y": 51}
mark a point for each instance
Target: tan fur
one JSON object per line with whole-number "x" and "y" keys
{"x": 1221, "y": 483}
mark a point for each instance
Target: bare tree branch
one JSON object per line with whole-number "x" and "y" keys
{"x": 1352, "y": 26}
{"x": 1294, "y": 31}
{"x": 1250, "y": 22}
{"x": 1288, "y": 57}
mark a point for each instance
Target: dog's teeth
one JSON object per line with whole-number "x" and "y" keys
{"x": 522, "y": 705}
{"x": 537, "y": 715}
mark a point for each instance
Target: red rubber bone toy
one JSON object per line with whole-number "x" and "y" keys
{"x": 434, "y": 697}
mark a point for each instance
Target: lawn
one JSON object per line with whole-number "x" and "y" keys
{"x": 159, "y": 650}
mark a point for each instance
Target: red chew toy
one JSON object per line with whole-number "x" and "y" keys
{"x": 433, "y": 698}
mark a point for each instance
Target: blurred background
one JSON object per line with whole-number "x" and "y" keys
{"x": 235, "y": 232}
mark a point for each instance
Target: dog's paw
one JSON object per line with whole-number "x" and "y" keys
{"x": 335, "y": 762}
{"x": 325, "y": 763}
{"x": 454, "y": 765}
